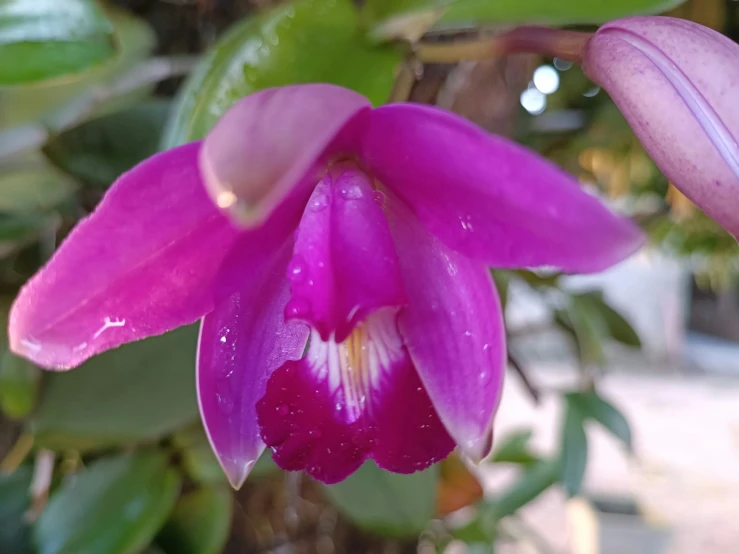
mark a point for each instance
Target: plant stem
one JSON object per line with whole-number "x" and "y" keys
{"x": 566, "y": 45}
{"x": 528, "y": 385}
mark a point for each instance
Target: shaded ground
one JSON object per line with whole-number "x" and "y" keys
{"x": 684, "y": 475}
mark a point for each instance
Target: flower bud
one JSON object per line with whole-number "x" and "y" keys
{"x": 677, "y": 83}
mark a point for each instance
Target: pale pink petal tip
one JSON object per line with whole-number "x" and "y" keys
{"x": 267, "y": 142}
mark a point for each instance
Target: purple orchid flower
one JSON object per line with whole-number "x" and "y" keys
{"x": 677, "y": 83}
{"x": 351, "y": 315}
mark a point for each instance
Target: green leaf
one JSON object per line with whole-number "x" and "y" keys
{"x": 115, "y": 506}
{"x": 19, "y": 380}
{"x": 618, "y": 328}
{"x": 560, "y": 12}
{"x": 594, "y": 406}
{"x": 531, "y": 484}
{"x": 17, "y": 231}
{"x": 42, "y": 39}
{"x": 15, "y": 499}
{"x": 135, "y": 41}
{"x": 514, "y": 449}
{"x": 303, "y": 42}
{"x": 574, "y": 455}
{"x": 587, "y": 328}
{"x": 31, "y": 185}
{"x": 138, "y": 392}
{"x": 100, "y": 150}
{"x": 387, "y": 503}
{"x": 411, "y": 18}
{"x": 200, "y": 522}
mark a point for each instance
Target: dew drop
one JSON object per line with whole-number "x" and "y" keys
{"x": 296, "y": 269}
{"x": 379, "y": 197}
{"x": 282, "y": 409}
{"x": 225, "y": 401}
{"x": 319, "y": 202}
{"x": 351, "y": 191}
{"x": 297, "y": 308}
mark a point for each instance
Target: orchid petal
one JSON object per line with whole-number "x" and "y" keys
{"x": 453, "y": 328}
{"x": 344, "y": 266}
{"x": 269, "y": 140}
{"x": 676, "y": 82}
{"x": 241, "y": 343}
{"x": 489, "y": 198}
{"x": 346, "y": 402}
{"x": 143, "y": 263}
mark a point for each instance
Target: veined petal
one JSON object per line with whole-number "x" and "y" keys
{"x": 489, "y": 198}
{"x": 345, "y": 266}
{"x": 343, "y": 403}
{"x": 241, "y": 343}
{"x": 142, "y": 263}
{"x": 453, "y": 328}
{"x": 268, "y": 141}
{"x": 676, "y": 82}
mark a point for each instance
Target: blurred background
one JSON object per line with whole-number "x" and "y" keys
{"x": 618, "y": 430}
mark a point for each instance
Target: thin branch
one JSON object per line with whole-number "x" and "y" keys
{"x": 36, "y": 134}
{"x": 567, "y": 45}
{"x": 532, "y": 390}
{"x": 17, "y": 454}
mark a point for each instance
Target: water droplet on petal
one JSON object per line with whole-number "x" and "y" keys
{"x": 297, "y": 308}
{"x": 379, "y": 197}
{"x": 225, "y": 400}
{"x": 296, "y": 270}
{"x": 318, "y": 202}
{"x": 351, "y": 191}
{"x": 282, "y": 409}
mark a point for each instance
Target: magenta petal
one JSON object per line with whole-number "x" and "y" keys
{"x": 676, "y": 82}
{"x": 268, "y": 141}
{"x": 345, "y": 266}
{"x": 453, "y": 328}
{"x": 143, "y": 263}
{"x": 241, "y": 343}
{"x": 490, "y": 198}
{"x": 344, "y": 403}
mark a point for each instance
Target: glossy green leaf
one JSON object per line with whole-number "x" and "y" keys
{"x": 139, "y": 392}
{"x": 594, "y": 406}
{"x": 100, "y": 150}
{"x": 135, "y": 41}
{"x": 514, "y": 449}
{"x": 531, "y": 484}
{"x": 574, "y": 444}
{"x": 200, "y": 522}
{"x": 410, "y": 18}
{"x": 115, "y": 506}
{"x": 306, "y": 41}
{"x": 43, "y": 39}
{"x": 561, "y": 12}
{"x": 15, "y": 499}
{"x": 385, "y": 502}
{"x": 19, "y": 381}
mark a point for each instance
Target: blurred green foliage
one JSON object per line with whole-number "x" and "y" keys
{"x": 123, "y": 427}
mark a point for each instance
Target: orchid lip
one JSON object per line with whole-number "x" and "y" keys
{"x": 716, "y": 130}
